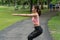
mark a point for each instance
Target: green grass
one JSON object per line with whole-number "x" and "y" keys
{"x": 54, "y": 27}
{"x": 45, "y": 10}
{"x": 6, "y": 18}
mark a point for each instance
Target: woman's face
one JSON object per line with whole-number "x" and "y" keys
{"x": 33, "y": 9}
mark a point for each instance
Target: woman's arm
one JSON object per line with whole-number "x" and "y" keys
{"x": 30, "y": 15}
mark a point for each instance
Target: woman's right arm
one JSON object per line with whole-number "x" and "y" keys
{"x": 29, "y": 15}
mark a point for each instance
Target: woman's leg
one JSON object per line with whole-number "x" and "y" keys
{"x": 35, "y": 33}
{"x": 30, "y": 36}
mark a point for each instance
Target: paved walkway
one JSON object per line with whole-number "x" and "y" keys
{"x": 20, "y": 30}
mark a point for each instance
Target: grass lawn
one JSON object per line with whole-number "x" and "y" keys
{"x": 45, "y": 10}
{"x": 54, "y": 27}
{"x": 6, "y": 18}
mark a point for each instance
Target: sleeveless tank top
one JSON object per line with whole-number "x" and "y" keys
{"x": 35, "y": 19}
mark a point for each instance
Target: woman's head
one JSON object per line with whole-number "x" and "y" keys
{"x": 35, "y": 8}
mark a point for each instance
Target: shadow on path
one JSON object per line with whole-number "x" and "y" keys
{"x": 20, "y": 30}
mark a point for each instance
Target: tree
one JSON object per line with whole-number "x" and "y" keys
{"x": 8, "y": 2}
{"x": 41, "y": 1}
{"x": 35, "y": 2}
{"x": 2, "y": 1}
{"x": 48, "y": 2}
{"x": 31, "y": 3}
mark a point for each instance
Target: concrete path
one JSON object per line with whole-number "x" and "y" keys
{"x": 20, "y": 30}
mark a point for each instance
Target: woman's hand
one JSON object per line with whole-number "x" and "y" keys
{"x": 15, "y": 14}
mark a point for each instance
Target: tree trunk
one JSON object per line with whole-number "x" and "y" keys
{"x": 31, "y": 3}
{"x": 41, "y": 4}
{"x": 15, "y": 4}
{"x": 48, "y": 2}
{"x": 8, "y": 2}
{"x": 38, "y": 2}
{"x": 2, "y": 1}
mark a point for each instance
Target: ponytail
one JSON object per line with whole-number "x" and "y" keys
{"x": 39, "y": 12}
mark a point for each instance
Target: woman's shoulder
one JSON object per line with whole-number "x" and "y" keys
{"x": 35, "y": 14}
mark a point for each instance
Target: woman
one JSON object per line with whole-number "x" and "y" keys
{"x": 35, "y": 19}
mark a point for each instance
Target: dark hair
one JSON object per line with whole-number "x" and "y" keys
{"x": 38, "y": 9}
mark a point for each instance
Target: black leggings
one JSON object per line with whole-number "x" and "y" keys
{"x": 35, "y": 33}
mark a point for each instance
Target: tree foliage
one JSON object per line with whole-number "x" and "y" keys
{"x": 22, "y": 1}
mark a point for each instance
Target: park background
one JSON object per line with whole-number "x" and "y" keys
{"x": 8, "y": 7}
